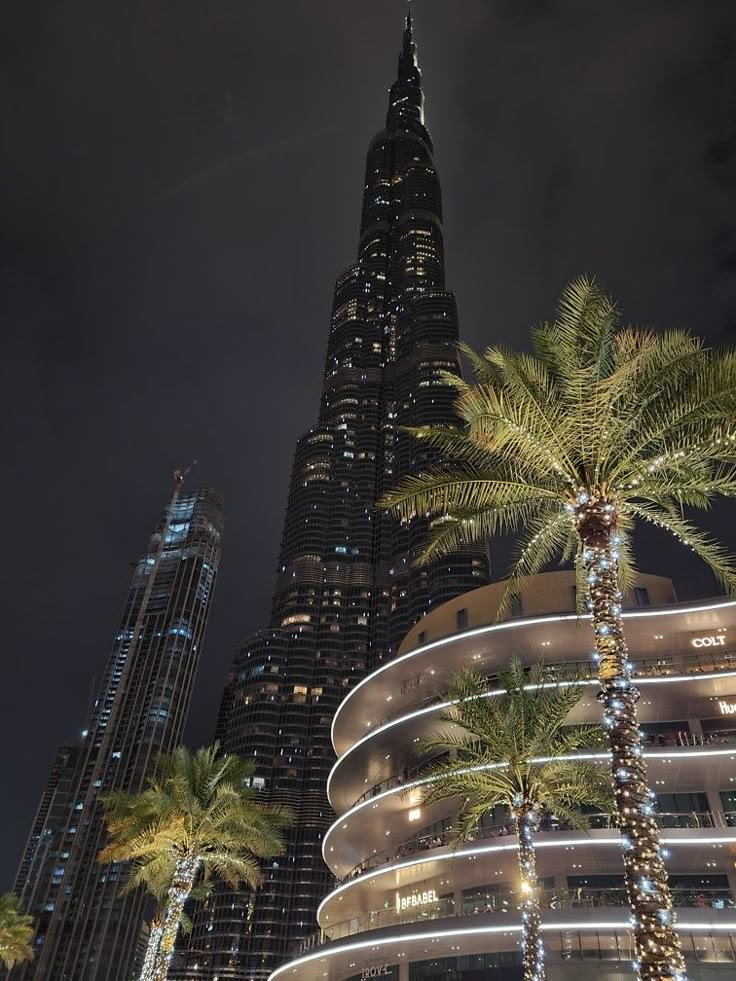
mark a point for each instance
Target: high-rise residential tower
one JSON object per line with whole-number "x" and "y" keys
{"x": 346, "y": 591}
{"x": 85, "y": 930}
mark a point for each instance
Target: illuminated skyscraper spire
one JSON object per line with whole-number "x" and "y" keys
{"x": 406, "y": 103}
{"x": 347, "y": 591}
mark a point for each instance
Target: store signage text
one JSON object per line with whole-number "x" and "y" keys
{"x": 717, "y": 640}
{"x": 415, "y": 899}
{"x": 727, "y": 708}
{"x": 378, "y": 971}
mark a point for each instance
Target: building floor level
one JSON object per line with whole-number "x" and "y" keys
{"x": 407, "y": 905}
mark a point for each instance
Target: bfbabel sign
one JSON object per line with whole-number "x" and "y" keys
{"x": 712, "y": 640}
{"x": 415, "y": 899}
{"x": 376, "y": 971}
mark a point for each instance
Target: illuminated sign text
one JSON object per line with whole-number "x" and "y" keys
{"x": 717, "y": 640}
{"x": 415, "y": 899}
{"x": 379, "y": 971}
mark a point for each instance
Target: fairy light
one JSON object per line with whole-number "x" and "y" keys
{"x": 160, "y": 949}
{"x": 657, "y": 948}
{"x": 152, "y": 949}
{"x": 527, "y": 823}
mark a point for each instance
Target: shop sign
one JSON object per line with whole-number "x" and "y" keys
{"x": 415, "y": 899}
{"x": 727, "y": 708}
{"x": 715, "y": 640}
{"x": 377, "y": 971}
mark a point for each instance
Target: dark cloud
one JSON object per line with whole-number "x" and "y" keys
{"x": 179, "y": 185}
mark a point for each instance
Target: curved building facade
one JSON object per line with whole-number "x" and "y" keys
{"x": 405, "y": 905}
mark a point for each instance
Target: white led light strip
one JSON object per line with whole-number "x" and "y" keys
{"x": 435, "y": 707}
{"x": 682, "y": 753}
{"x": 674, "y": 610}
{"x": 293, "y": 966}
{"x": 391, "y": 868}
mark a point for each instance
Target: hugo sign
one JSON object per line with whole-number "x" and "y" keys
{"x": 378, "y": 971}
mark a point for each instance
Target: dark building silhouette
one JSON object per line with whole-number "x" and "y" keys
{"x": 346, "y": 592}
{"x": 85, "y": 930}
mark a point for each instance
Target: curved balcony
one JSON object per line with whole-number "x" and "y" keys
{"x": 505, "y": 903}
{"x": 662, "y": 738}
{"x": 667, "y": 820}
{"x": 425, "y": 670}
{"x": 680, "y": 697}
{"x": 385, "y": 813}
{"x": 666, "y": 666}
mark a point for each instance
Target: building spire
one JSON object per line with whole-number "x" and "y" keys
{"x": 409, "y": 46}
{"x": 406, "y": 100}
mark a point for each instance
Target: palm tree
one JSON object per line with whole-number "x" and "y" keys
{"x": 197, "y": 819}
{"x": 16, "y": 932}
{"x": 600, "y": 428}
{"x": 510, "y": 749}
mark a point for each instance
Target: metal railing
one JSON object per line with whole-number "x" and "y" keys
{"x": 405, "y": 776}
{"x": 503, "y": 902}
{"x": 665, "y": 820}
{"x": 705, "y": 662}
{"x": 650, "y": 740}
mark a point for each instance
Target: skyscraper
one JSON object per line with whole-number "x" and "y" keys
{"x": 346, "y": 591}
{"x": 85, "y": 930}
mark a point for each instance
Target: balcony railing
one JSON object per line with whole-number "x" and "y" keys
{"x": 665, "y": 820}
{"x": 503, "y": 903}
{"x": 650, "y": 740}
{"x": 705, "y": 662}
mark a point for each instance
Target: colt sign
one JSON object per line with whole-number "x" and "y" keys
{"x": 715, "y": 640}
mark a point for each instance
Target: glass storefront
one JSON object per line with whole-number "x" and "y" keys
{"x": 472, "y": 967}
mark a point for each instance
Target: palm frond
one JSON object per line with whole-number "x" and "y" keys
{"x": 199, "y": 804}
{"x": 510, "y": 741}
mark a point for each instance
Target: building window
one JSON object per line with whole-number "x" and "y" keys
{"x": 421, "y": 638}
{"x": 642, "y": 596}
{"x": 462, "y": 619}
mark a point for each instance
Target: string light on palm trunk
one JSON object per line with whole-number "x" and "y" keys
{"x": 658, "y": 953}
{"x": 527, "y": 822}
{"x": 161, "y": 944}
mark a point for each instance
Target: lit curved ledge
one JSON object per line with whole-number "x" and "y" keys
{"x": 378, "y": 943}
{"x": 435, "y": 707}
{"x": 674, "y": 610}
{"x": 556, "y": 840}
{"x": 689, "y": 751}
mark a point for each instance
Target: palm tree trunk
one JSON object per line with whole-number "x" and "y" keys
{"x": 658, "y": 952}
{"x": 181, "y": 887}
{"x": 526, "y": 819}
{"x": 154, "y": 942}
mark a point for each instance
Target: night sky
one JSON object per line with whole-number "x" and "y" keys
{"x": 180, "y": 183}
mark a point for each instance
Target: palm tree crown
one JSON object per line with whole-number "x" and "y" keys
{"x": 198, "y": 803}
{"x": 510, "y": 747}
{"x": 198, "y": 819}
{"x": 600, "y": 428}
{"x": 16, "y": 933}
{"x": 644, "y": 422}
